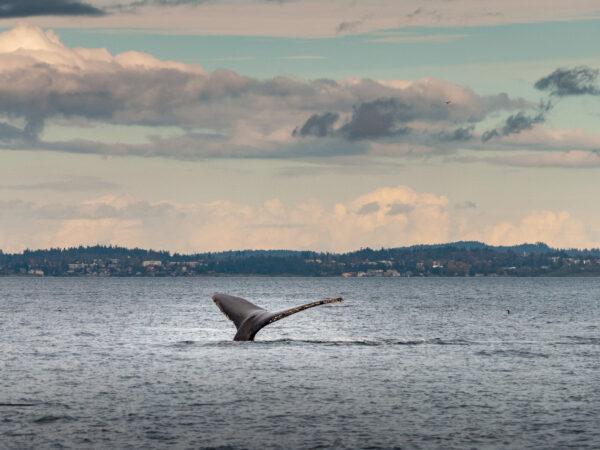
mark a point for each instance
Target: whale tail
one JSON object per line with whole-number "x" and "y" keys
{"x": 249, "y": 318}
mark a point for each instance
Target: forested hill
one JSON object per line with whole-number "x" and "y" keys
{"x": 452, "y": 259}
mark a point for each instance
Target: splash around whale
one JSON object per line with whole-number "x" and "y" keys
{"x": 249, "y": 319}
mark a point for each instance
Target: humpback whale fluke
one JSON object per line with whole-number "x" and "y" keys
{"x": 249, "y": 318}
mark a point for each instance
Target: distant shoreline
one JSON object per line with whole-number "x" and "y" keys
{"x": 459, "y": 259}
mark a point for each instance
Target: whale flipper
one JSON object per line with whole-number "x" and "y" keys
{"x": 249, "y": 318}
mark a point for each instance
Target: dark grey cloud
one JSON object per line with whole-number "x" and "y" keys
{"x": 563, "y": 82}
{"x": 467, "y": 204}
{"x": 30, "y": 8}
{"x": 319, "y": 125}
{"x": 414, "y": 13}
{"x": 377, "y": 119}
{"x": 391, "y": 116}
{"x": 461, "y": 134}
{"x": 381, "y": 118}
{"x": 518, "y": 122}
{"x": 399, "y": 208}
{"x": 9, "y": 132}
{"x": 368, "y": 208}
{"x": 350, "y": 26}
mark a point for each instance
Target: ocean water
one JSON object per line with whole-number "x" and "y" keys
{"x": 401, "y": 363}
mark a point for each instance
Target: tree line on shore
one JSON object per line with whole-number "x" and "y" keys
{"x": 453, "y": 259}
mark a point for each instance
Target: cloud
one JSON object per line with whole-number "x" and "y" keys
{"x": 516, "y": 123}
{"x": 557, "y": 229}
{"x": 224, "y": 225}
{"x": 467, "y": 204}
{"x": 461, "y": 134}
{"x": 79, "y": 183}
{"x": 376, "y": 119}
{"x": 317, "y": 18}
{"x": 576, "y": 81}
{"x": 414, "y": 13}
{"x": 399, "y": 208}
{"x": 351, "y": 26}
{"x": 220, "y": 113}
{"x": 569, "y": 159}
{"x": 138, "y": 5}
{"x": 423, "y": 101}
{"x": 368, "y": 208}
{"x": 171, "y": 3}
{"x": 384, "y": 217}
{"x": 30, "y": 8}
{"x": 9, "y": 132}
{"x": 319, "y": 125}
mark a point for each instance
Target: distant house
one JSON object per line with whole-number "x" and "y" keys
{"x": 151, "y": 263}
{"x": 391, "y": 273}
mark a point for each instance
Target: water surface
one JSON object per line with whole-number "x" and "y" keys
{"x": 411, "y": 363}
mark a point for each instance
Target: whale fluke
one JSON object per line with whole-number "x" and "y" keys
{"x": 249, "y": 318}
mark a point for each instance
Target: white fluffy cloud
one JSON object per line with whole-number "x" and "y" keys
{"x": 384, "y": 217}
{"x": 557, "y": 229}
{"x": 389, "y": 216}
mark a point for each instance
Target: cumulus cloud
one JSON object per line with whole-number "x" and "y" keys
{"x": 221, "y": 113}
{"x": 386, "y": 216}
{"x": 576, "y": 81}
{"x": 557, "y": 229}
{"x": 29, "y": 8}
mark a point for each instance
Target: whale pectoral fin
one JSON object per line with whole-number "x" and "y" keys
{"x": 288, "y": 312}
{"x": 235, "y": 309}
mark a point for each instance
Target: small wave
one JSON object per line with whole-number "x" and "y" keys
{"x": 183, "y": 344}
{"x": 51, "y": 418}
{"x": 346, "y": 341}
{"x": 327, "y": 342}
{"x": 85, "y": 334}
{"x": 582, "y": 340}
{"x": 18, "y": 404}
{"x": 512, "y": 353}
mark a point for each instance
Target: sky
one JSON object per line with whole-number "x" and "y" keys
{"x": 330, "y": 125}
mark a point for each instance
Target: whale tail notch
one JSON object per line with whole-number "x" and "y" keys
{"x": 249, "y": 318}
